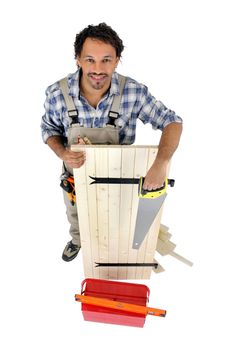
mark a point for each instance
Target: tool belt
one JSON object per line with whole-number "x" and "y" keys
{"x": 67, "y": 184}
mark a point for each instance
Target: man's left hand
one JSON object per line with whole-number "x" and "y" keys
{"x": 156, "y": 176}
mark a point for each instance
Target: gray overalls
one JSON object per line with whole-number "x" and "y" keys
{"x": 106, "y": 135}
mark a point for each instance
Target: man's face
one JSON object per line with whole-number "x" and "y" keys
{"x": 98, "y": 61}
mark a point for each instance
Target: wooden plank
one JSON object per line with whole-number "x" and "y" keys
{"x": 101, "y": 161}
{"x": 163, "y": 228}
{"x": 150, "y": 243}
{"x": 141, "y": 272}
{"x": 140, "y": 166}
{"x": 165, "y": 248}
{"x": 92, "y": 210}
{"x": 181, "y": 258}
{"x": 114, "y": 170}
{"x": 153, "y": 233}
{"x": 83, "y": 213}
{"x": 164, "y": 236}
{"x": 126, "y": 198}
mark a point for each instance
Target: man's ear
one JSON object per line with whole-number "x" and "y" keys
{"x": 78, "y": 62}
{"x": 117, "y": 61}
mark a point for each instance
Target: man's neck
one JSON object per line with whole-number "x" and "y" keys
{"x": 93, "y": 96}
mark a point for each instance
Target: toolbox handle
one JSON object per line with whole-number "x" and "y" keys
{"x": 87, "y": 279}
{"x": 82, "y": 285}
{"x": 148, "y": 293}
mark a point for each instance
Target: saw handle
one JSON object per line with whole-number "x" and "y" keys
{"x": 171, "y": 182}
{"x": 154, "y": 193}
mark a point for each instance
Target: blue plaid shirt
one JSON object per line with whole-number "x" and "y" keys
{"x": 136, "y": 102}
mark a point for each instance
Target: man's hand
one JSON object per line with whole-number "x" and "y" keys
{"x": 168, "y": 143}
{"x": 155, "y": 176}
{"x": 74, "y": 159}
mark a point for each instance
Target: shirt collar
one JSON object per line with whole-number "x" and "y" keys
{"x": 73, "y": 83}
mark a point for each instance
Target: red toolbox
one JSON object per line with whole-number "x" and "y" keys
{"x": 110, "y": 302}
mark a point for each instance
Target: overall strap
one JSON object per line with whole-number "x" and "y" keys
{"x": 72, "y": 110}
{"x": 114, "y": 112}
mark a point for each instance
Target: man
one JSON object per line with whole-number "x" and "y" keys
{"x": 93, "y": 88}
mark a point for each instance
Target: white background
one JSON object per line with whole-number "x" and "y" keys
{"x": 182, "y": 50}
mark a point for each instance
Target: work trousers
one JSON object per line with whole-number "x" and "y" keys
{"x": 72, "y": 216}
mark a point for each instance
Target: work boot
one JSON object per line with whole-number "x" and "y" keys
{"x": 70, "y": 252}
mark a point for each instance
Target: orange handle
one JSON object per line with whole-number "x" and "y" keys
{"x": 70, "y": 179}
{"x": 139, "y": 309}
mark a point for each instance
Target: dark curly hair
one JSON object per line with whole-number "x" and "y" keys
{"x": 102, "y": 32}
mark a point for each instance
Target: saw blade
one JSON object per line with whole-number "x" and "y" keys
{"x": 147, "y": 211}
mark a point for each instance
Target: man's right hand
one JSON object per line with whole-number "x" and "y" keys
{"x": 73, "y": 159}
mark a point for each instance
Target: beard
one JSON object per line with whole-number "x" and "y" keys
{"x": 97, "y": 81}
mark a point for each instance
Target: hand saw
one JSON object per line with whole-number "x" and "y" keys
{"x": 149, "y": 204}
